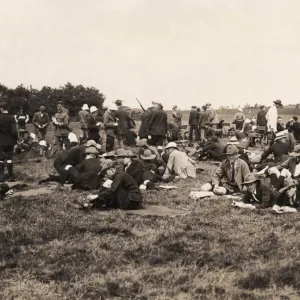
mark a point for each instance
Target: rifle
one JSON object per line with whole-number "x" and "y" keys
{"x": 140, "y": 104}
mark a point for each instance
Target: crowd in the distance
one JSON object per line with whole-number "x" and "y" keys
{"x": 100, "y": 159}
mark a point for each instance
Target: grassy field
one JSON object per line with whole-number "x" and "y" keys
{"x": 51, "y": 251}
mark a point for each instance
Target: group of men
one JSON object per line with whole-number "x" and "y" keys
{"x": 120, "y": 175}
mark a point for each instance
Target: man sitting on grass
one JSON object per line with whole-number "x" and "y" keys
{"x": 213, "y": 149}
{"x": 230, "y": 175}
{"x": 258, "y": 194}
{"x": 179, "y": 163}
{"x": 119, "y": 190}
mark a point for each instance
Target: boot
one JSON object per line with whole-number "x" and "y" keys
{"x": 1, "y": 172}
{"x": 11, "y": 177}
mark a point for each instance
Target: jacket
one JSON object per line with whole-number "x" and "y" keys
{"x": 93, "y": 129}
{"x": 212, "y": 116}
{"x": 177, "y": 116}
{"x": 123, "y": 120}
{"x": 74, "y": 156}
{"x": 88, "y": 174}
{"x": 279, "y": 150}
{"x": 264, "y": 196}
{"x": 296, "y": 130}
{"x": 158, "y": 122}
{"x": 284, "y": 200}
{"x": 8, "y": 130}
{"x": 214, "y": 146}
{"x": 136, "y": 170}
{"x": 203, "y": 118}
{"x": 194, "y": 118}
{"x": 109, "y": 121}
{"x": 38, "y": 119}
{"x": 223, "y": 173}
{"x": 83, "y": 118}
{"x": 61, "y": 129}
{"x": 144, "y": 129}
{"x": 261, "y": 118}
{"x": 180, "y": 164}
{"x": 123, "y": 181}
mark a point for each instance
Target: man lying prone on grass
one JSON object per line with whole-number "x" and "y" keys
{"x": 258, "y": 194}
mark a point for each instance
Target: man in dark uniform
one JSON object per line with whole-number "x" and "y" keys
{"x": 193, "y": 123}
{"x": 8, "y": 139}
{"x": 157, "y": 125}
{"x": 122, "y": 119}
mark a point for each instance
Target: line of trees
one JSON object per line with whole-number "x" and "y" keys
{"x": 31, "y": 99}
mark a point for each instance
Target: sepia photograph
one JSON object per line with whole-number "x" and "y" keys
{"x": 149, "y": 150}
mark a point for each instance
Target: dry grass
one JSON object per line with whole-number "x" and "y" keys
{"x": 48, "y": 251}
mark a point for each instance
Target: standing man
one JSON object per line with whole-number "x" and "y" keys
{"x": 61, "y": 122}
{"x": 21, "y": 120}
{"x": 212, "y": 115}
{"x": 83, "y": 119}
{"x": 109, "y": 127}
{"x": 272, "y": 116}
{"x": 8, "y": 139}
{"x": 239, "y": 119}
{"x": 144, "y": 129}
{"x": 158, "y": 125}
{"x": 261, "y": 116}
{"x": 122, "y": 119}
{"x": 193, "y": 123}
{"x": 177, "y": 115}
{"x": 93, "y": 125}
{"x": 41, "y": 121}
{"x": 203, "y": 119}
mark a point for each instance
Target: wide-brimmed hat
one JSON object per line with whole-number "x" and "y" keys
{"x": 240, "y": 109}
{"x": 85, "y": 107}
{"x": 42, "y": 107}
{"x": 148, "y": 155}
{"x": 278, "y": 102}
{"x": 142, "y": 143}
{"x": 171, "y": 145}
{"x": 250, "y": 178}
{"x": 158, "y": 103}
{"x": 232, "y": 150}
{"x": 279, "y": 135}
{"x": 90, "y": 143}
{"x": 93, "y": 109}
{"x": 233, "y": 141}
{"x": 287, "y": 183}
{"x": 214, "y": 138}
{"x": 107, "y": 164}
{"x": 193, "y": 106}
{"x": 91, "y": 150}
{"x": 175, "y": 106}
{"x": 296, "y": 151}
{"x": 247, "y": 121}
{"x": 125, "y": 153}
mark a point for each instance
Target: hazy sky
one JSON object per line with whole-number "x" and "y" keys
{"x": 184, "y": 52}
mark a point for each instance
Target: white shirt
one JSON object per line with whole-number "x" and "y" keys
{"x": 72, "y": 137}
{"x": 272, "y": 116}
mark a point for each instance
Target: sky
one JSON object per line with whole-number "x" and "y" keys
{"x": 184, "y": 52}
